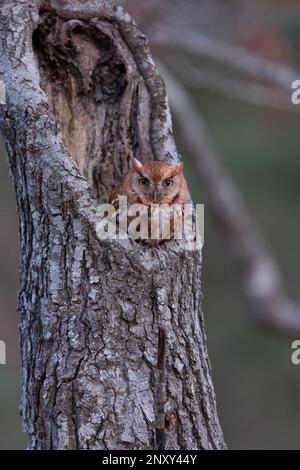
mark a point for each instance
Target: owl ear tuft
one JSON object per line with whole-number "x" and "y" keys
{"x": 178, "y": 168}
{"x": 135, "y": 165}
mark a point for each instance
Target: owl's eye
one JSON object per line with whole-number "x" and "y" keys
{"x": 144, "y": 181}
{"x": 168, "y": 182}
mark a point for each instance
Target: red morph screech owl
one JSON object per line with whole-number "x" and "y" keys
{"x": 153, "y": 183}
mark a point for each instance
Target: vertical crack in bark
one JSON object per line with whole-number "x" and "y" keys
{"x": 161, "y": 389}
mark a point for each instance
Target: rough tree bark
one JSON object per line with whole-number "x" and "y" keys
{"x": 113, "y": 342}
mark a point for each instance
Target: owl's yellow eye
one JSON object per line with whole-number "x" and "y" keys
{"x": 144, "y": 181}
{"x": 168, "y": 182}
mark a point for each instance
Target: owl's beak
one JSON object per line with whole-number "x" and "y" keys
{"x": 154, "y": 195}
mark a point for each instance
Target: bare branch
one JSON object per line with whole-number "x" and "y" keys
{"x": 232, "y": 88}
{"x": 233, "y": 56}
{"x": 262, "y": 283}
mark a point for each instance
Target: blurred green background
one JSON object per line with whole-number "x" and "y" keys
{"x": 257, "y": 387}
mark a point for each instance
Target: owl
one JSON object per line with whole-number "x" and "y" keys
{"x": 162, "y": 190}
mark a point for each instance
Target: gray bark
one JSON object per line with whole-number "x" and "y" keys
{"x": 113, "y": 345}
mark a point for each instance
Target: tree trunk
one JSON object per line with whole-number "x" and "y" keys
{"x": 113, "y": 345}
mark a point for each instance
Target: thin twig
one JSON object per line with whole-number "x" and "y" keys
{"x": 233, "y": 56}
